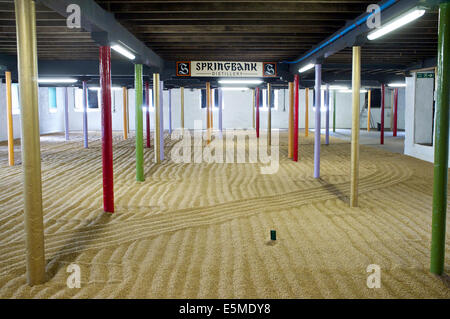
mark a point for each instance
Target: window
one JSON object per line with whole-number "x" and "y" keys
{"x": 322, "y": 100}
{"x": 203, "y": 98}
{"x": 15, "y": 98}
{"x": 375, "y": 98}
{"x": 263, "y": 99}
{"x": 215, "y": 98}
{"x": 93, "y": 100}
{"x": 52, "y": 107}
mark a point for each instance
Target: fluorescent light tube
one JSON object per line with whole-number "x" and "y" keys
{"x": 234, "y": 88}
{"x": 120, "y": 49}
{"x": 396, "y": 23}
{"x": 306, "y": 68}
{"x": 397, "y": 85}
{"x": 57, "y": 80}
{"x": 240, "y": 81}
{"x": 338, "y": 87}
{"x": 351, "y": 91}
{"x": 334, "y": 87}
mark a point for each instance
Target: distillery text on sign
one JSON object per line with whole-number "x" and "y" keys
{"x": 226, "y": 69}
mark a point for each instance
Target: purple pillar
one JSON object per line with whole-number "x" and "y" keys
{"x": 327, "y": 115}
{"x": 317, "y": 124}
{"x": 85, "y": 119}
{"x": 66, "y": 113}
{"x": 170, "y": 111}
{"x": 161, "y": 120}
{"x": 219, "y": 92}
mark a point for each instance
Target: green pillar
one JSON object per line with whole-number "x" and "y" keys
{"x": 441, "y": 143}
{"x": 334, "y": 110}
{"x": 139, "y": 123}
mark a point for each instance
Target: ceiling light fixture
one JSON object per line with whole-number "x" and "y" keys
{"x": 306, "y": 68}
{"x": 240, "y": 81}
{"x": 396, "y": 23}
{"x": 397, "y": 85}
{"x": 351, "y": 91}
{"x": 234, "y": 88}
{"x": 334, "y": 87}
{"x": 120, "y": 49}
{"x": 57, "y": 80}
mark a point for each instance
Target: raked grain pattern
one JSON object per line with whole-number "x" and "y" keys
{"x": 202, "y": 230}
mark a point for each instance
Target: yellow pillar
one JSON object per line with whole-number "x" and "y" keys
{"x": 306, "y": 111}
{"x": 182, "y": 107}
{"x": 125, "y": 113}
{"x": 368, "y": 110}
{"x": 157, "y": 142}
{"x": 269, "y": 117}
{"x": 9, "y": 119}
{"x": 211, "y": 108}
{"x": 31, "y": 155}
{"x": 356, "y": 85}
{"x": 291, "y": 120}
{"x": 208, "y": 118}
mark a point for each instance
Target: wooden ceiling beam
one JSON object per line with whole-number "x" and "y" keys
{"x": 241, "y": 6}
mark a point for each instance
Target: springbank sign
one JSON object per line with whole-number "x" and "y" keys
{"x": 226, "y": 69}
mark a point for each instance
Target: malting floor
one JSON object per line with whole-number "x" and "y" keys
{"x": 199, "y": 230}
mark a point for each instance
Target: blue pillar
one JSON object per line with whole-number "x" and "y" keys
{"x": 317, "y": 124}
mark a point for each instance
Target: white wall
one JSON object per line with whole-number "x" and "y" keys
{"x": 48, "y": 122}
{"x": 237, "y": 112}
{"x": 422, "y": 152}
{"x": 51, "y": 122}
{"x": 3, "y": 119}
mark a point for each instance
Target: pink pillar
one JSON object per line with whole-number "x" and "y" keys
{"x": 394, "y": 129}
{"x": 107, "y": 152}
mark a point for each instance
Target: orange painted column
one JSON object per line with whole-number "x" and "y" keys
{"x": 296, "y": 112}
{"x": 9, "y": 119}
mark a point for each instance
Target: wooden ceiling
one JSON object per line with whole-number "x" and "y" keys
{"x": 262, "y": 30}
{"x": 54, "y": 40}
{"x": 253, "y": 30}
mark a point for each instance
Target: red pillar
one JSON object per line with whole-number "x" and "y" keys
{"x": 107, "y": 153}
{"x": 147, "y": 112}
{"x": 257, "y": 112}
{"x": 296, "y": 80}
{"x": 394, "y": 129}
{"x": 382, "y": 115}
